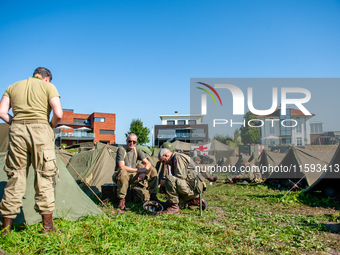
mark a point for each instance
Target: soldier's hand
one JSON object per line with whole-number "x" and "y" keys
{"x": 141, "y": 177}
{"x": 142, "y": 170}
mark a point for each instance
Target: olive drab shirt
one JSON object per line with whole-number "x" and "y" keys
{"x": 181, "y": 166}
{"x": 30, "y": 98}
{"x": 129, "y": 157}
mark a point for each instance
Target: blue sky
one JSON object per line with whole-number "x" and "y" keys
{"x": 136, "y": 58}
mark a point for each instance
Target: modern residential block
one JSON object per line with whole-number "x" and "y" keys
{"x": 185, "y": 128}
{"x": 77, "y": 128}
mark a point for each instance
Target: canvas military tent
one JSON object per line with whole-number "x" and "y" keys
{"x": 4, "y": 131}
{"x": 268, "y": 160}
{"x": 96, "y": 167}
{"x": 65, "y": 156}
{"x": 221, "y": 161}
{"x": 301, "y": 164}
{"x": 181, "y": 146}
{"x": 108, "y": 146}
{"x": 71, "y": 202}
{"x": 232, "y": 164}
{"x": 145, "y": 149}
{"x": 155, "y": 152}
{"x": 330, "y": 178}
{"x": 215, "y": 148}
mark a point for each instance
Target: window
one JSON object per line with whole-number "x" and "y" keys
{"x": 181, "y": 122}
{"x": 106, "y": 132}
{"x": 170, "y": 122}
{"x": 192, "y": 122}
{"x": 80, "y": 121}
{"x": 271, "y": 130}
{"x": 316, "y": 128}
{"x": 299, "y": 141}
{"x": 99, "y": 119}
{"x": 285, "y": 141}
{"x": 183, "y": 133}
{"x": 197, "y": 132}
{"x": 166, "y": 133}
{"x": 286, "y": 131}
{"x": 299, "y": 125}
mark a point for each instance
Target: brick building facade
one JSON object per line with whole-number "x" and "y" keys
{"x": 77, "y": 128}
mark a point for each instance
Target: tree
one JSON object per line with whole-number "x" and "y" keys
{"x": 222, "y": 138}
{"x": 236, "y": 135}
{"x": 250, "y": 134}
{"x": 141, "y": 132}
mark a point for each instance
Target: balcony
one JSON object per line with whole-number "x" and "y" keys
{"x": 75, "y": 135}
{"x": 181, "y": 135}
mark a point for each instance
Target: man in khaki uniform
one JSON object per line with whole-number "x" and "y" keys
{"x": 180, "y": 181}
{"x": 203, "y": 171}
{"x": 249, "y": 173}
{"x": 31, "y": 141}
{"x": 127, "y": 172}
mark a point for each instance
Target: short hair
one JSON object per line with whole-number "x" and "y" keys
{"x": 44, "y": 72}
{"x": 162, "y": 152}
{"x": 131, "y": 134}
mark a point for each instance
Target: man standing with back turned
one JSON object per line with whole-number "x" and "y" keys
{"x": 31, "y": 141}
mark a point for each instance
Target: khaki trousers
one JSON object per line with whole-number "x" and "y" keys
{"x": 29, "y": 143}
{"x": 124, "y": 179}
{"x": 177, "y": 188}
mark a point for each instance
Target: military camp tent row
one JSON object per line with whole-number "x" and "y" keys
{"x": 84, "y": 173}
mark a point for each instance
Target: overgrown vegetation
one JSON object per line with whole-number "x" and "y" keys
{"x": 242, "y": 219}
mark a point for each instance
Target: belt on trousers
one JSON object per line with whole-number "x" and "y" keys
{"x": 29, "y": 121}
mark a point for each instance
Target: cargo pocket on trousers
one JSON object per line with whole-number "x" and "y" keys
{"x": 50, "y": 166}
{"x": 183, "y": 188}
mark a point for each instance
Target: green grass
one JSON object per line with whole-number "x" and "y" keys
{"x": 242, "y": 219}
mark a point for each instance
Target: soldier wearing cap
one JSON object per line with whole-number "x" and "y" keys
{"x": 248, "y": 172}
{"x": 31, "y": 142}
{"x": 127, "y": 172}
{"x": 179, "y": 180}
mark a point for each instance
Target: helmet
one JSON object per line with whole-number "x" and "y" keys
{"x": 197, "y": 158}
{"x": 169, "y": 146}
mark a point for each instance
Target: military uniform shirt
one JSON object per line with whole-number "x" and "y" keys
{"x": 31, "y": 98}
{"x": 129, "y": 157}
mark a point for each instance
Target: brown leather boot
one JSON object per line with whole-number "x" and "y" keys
{"x": 173, "y": 208}
{"x": 212, "y": 179}
{"x": 48, "y": 223}
{"x": 7, "y": 224}
{"x": 121, "y": 204}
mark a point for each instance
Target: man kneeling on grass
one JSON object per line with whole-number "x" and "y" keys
{"x": 181, "y": 181}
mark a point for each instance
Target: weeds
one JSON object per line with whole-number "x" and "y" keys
{"x": 242, "y": 219}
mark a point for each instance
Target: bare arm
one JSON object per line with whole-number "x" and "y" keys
{"x": 5, "y": 106}
{"x": 146, "y": 163}
{"x": 121, "y": 165}
{"x": 57, "y": 111}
